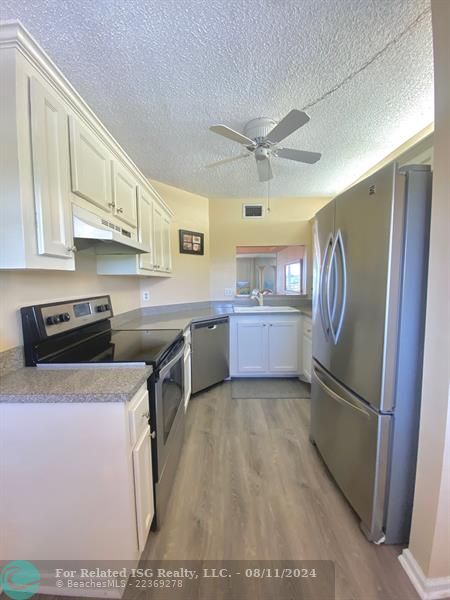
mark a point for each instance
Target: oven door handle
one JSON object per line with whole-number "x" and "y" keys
{"x": 175, "y": 359}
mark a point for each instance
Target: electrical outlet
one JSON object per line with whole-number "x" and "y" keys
{"x": 228, "y": 292}
{"x": 146, "y": 296}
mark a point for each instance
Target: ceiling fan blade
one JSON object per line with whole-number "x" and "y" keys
{"x": 226, "y": 160}
{"x": 290, "y": 123}
{"x": 299, "y": 155}
{"x": 231, "y": 134}
{"x": 264, "y": 169}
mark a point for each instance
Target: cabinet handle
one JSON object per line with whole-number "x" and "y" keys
{"x": 111, "y": 204}
{"x": 71, "y": 248}
{"x": 120, "y": 210}
{"x": 153, "y": 435}
{"x": 146, "y": 415}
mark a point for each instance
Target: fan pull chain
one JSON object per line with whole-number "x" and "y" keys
{"x": 268, "y": 195}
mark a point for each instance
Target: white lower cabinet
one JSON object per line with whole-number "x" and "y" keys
{"x": 143, "y": 486}
{"x": 250, "y": 347}
{"x": 306, "y": 361}
{"x": 264, "y": 345}
{"x": 89, "y": 467}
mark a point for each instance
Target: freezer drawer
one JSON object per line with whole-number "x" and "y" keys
{"x": 353, "y": 441}
{"x": 210, "y": 353}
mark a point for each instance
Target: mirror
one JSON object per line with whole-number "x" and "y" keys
{"x": 277, "y": 270}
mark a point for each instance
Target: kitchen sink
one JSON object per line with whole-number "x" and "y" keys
{"x": 265, "y": 309}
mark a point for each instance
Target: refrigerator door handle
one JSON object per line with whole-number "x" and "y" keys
{"x": 324, "y": 277}
{"x": 340, "y": 242}
{"x": 319, "y": 376}
{"x": 331, "y": 312}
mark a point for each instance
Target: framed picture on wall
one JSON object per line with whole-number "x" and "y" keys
{"x": 192, "y": 242}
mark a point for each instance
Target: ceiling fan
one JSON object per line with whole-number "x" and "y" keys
{"x": 261, "y": 138}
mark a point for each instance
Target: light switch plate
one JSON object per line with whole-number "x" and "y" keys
{"x": 145, "y": 296}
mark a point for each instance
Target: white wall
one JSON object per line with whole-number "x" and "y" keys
{"x": 430, "y": 533}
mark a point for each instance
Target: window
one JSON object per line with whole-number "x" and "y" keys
{"x": 293, "y": 276}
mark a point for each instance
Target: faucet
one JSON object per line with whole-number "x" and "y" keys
{"x": 257, "y": 295}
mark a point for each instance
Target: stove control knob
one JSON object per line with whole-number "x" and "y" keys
{"x": 64, "y": 317}
{"x": 52, "y": 320}
{"x": 107, "y": 306}
{"x": 100, "y": 308}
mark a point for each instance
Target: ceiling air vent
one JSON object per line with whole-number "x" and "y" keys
{"x": 252, "y": 211}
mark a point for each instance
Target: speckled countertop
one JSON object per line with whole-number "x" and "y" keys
{"x": 94, "y": 384}
{"x": 182, "y": 319}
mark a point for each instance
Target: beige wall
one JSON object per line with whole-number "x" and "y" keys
{"x": 287, "y": 223}
{"x": 190, "y": 280}
{"x": 430, "y": 534}
{"x": 19, "y": 288}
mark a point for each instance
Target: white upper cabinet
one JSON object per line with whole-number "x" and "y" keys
{"x": 51, "y": 177}
{"x": 158, "y": 238}
{"x": 56, "y": 154}
{"x": 166, "y": 245}
{"x": 145, "y": 222}
{"x": 35, "y": 210}
{"x": 124, "y": 187}
{"x": 153, "y": 230}
{"x": 90, "y": 163}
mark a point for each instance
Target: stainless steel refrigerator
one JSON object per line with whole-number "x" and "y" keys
{"x": 370, "y": 272}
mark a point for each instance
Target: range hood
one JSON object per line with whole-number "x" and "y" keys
{"x": 103, "y": 235}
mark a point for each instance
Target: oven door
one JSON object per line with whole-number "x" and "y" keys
{"x": 169, "y": 408}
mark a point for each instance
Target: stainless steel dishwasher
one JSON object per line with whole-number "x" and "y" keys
{"x": 210, "y": 353}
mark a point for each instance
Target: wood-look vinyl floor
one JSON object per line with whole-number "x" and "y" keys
{"x": 251, "y": 486}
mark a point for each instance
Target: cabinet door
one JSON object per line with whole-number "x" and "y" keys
{"x": 90, "y": 164}
{"x": 51, "y": 176}
{"x": 143, "y": 486}
{"x": 283, "y": 346}
{"x": 307, "y": 357}
{"x": 251, "y": 347}
{"x": 166, "y": 245}
{"x": 124, "y": 187}
{"x": 145, "y": 228}
{"x": 157, "y": 237}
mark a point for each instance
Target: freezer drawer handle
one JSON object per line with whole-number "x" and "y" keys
{"x": 336, "y": 397}
{"x": 212, "y": 327}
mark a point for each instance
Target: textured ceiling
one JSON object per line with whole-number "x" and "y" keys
{"x": 159, "y": 72}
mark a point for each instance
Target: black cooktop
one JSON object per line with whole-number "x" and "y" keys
{"x": 148, "y": 346}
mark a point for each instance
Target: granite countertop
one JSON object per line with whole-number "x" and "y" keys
{"x": 183, "y": 319}
{"x": 93, "y": 384}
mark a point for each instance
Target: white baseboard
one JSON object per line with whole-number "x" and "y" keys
{"x": 427, "y": 588}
